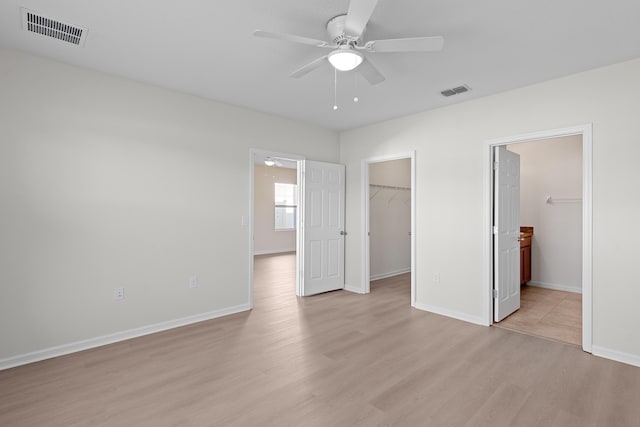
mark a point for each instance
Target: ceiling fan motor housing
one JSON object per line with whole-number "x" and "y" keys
{"x": 335, "y": 29}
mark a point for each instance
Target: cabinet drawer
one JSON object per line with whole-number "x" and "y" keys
{"x": 525, "y": 241}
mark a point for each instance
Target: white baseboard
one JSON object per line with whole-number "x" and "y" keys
{"x": 74, "y": 347}
{"x": 618, "y": 356}
{"x": 353, "y": 289}
{"x": 273, "y": 251}
{"x": 451, "y": 313}
{"x": 390, "y": 274}
{"x": 556, "y": 287}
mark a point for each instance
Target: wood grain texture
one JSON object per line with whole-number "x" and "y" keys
{"x": 548, "y": 313}
{"x": 335, "y": 359}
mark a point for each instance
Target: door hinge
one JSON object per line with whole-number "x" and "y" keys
{"x": 495, "y": 229}
{"x": 495, "y": 293}
{"x": 495, "y": 166}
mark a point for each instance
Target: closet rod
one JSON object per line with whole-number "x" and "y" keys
{"x": 389, "y": 187}
{"x": 550, "y": 199}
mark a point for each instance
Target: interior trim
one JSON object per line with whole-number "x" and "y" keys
{"x": 87, "y": 344}
{"x": 586, "y": 131}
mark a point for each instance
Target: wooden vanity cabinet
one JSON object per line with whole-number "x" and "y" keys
{"x": 526, "y": 233}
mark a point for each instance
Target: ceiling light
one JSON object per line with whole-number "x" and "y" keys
{"x": 269, "y": 161}
{"x": 345, "y": 59}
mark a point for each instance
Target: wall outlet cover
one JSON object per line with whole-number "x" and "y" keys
{"x": 193, "y": 282}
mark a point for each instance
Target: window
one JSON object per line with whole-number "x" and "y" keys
{"x": 286, "y": 205}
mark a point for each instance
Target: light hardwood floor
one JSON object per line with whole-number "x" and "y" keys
{"x": 336, "y": 359}
{"x": 548, "y": 313}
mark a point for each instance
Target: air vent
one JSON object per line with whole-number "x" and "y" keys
{"x": 456, "y": 90}
{"x": 39, "y": 24}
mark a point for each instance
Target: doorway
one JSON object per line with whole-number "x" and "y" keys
{"x": 550, "y": 240}
{"x": 273, "y": 237}
{"x": 388, "y": 201}
{"x": 583, "y": 276}
{"x": 313, "y": 211}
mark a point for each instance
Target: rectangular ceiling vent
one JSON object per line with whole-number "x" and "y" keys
{"x": 456, "y": 90}
{"x": 39, "y": 24}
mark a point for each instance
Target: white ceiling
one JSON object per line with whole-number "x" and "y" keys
{"x": 207, "y": 48}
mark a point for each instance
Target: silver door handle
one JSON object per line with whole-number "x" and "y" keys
{"x": 343, "y": 233}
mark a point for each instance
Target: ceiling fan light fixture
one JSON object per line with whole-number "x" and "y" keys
{"x": 345, "y": 59}
{"x": 269, "y": 161}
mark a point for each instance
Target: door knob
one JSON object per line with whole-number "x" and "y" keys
{"x": 343, "y": 233}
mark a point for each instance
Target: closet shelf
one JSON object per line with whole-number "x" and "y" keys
{"x": 380, "y": 187}
{"x": 551, "y": 200}
{"x": 389, "y": 187}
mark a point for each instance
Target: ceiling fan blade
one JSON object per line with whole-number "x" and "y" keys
{"x": 358, "y": 15}
{"x": 416, "y": 44}
{"x": 291, "y": 38}
{"x": 370, "y": 73}
{"x": 305, "y": 69}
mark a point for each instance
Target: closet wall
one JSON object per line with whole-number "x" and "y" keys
{"x": 390, "y": 218}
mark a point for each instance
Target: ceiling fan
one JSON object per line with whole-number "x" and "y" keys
{"x": 273, "y": 161}
{"x": 347, "y": 46}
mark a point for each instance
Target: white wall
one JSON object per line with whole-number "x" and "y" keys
{"x": 553, "y": 167}
{"x": 390, "y": 218}
{"x": 450, "y": 155}
{"x": 105, "y": 183}
{"x": 266, "y": 239}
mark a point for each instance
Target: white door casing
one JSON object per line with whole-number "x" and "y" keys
{"x": 506, "y": 233}
{"x": 323, "y": 227}
{"x": 365, "y": 213}
{"x": 586, "y": 130}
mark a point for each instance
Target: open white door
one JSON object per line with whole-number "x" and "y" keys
{"x": 506, "y": 255}
{"x": 322, "y": 227}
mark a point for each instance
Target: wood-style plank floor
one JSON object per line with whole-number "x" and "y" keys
{"x": 336, "y": 359}
{"x": 548, "y": 313}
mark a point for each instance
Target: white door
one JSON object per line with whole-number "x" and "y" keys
{"x": 506, "y": 255}
{"x": 323, "y": 227}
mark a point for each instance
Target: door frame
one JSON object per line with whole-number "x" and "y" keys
{"x": 288, "y": 156}
{"x": 365, "y": 242}
{"x": 586, "y": 131}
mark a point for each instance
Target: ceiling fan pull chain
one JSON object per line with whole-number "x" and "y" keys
{"x": 335, "y": 89}
{"x": 355, "y": 88}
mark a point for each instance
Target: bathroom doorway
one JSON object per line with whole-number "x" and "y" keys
{"x": 559, "y": 203}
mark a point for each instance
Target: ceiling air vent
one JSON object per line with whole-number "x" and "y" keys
{"x": 37, "y": 23}
{"x": 456, "y": 90}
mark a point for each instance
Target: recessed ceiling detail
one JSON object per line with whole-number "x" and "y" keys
{"x": 40, "y": 24}
{"x": 456, "y": 90}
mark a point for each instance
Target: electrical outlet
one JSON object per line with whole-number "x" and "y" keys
{"x": 119, "y": 294}
{"x": 193, "y": 282}
{"x": 436, "y": 277}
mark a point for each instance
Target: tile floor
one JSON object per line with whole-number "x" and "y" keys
{"x": 547, "y": 313}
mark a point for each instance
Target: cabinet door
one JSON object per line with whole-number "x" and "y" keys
{"x": 526, "y": 263}
{"x": 522, "y": 266}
